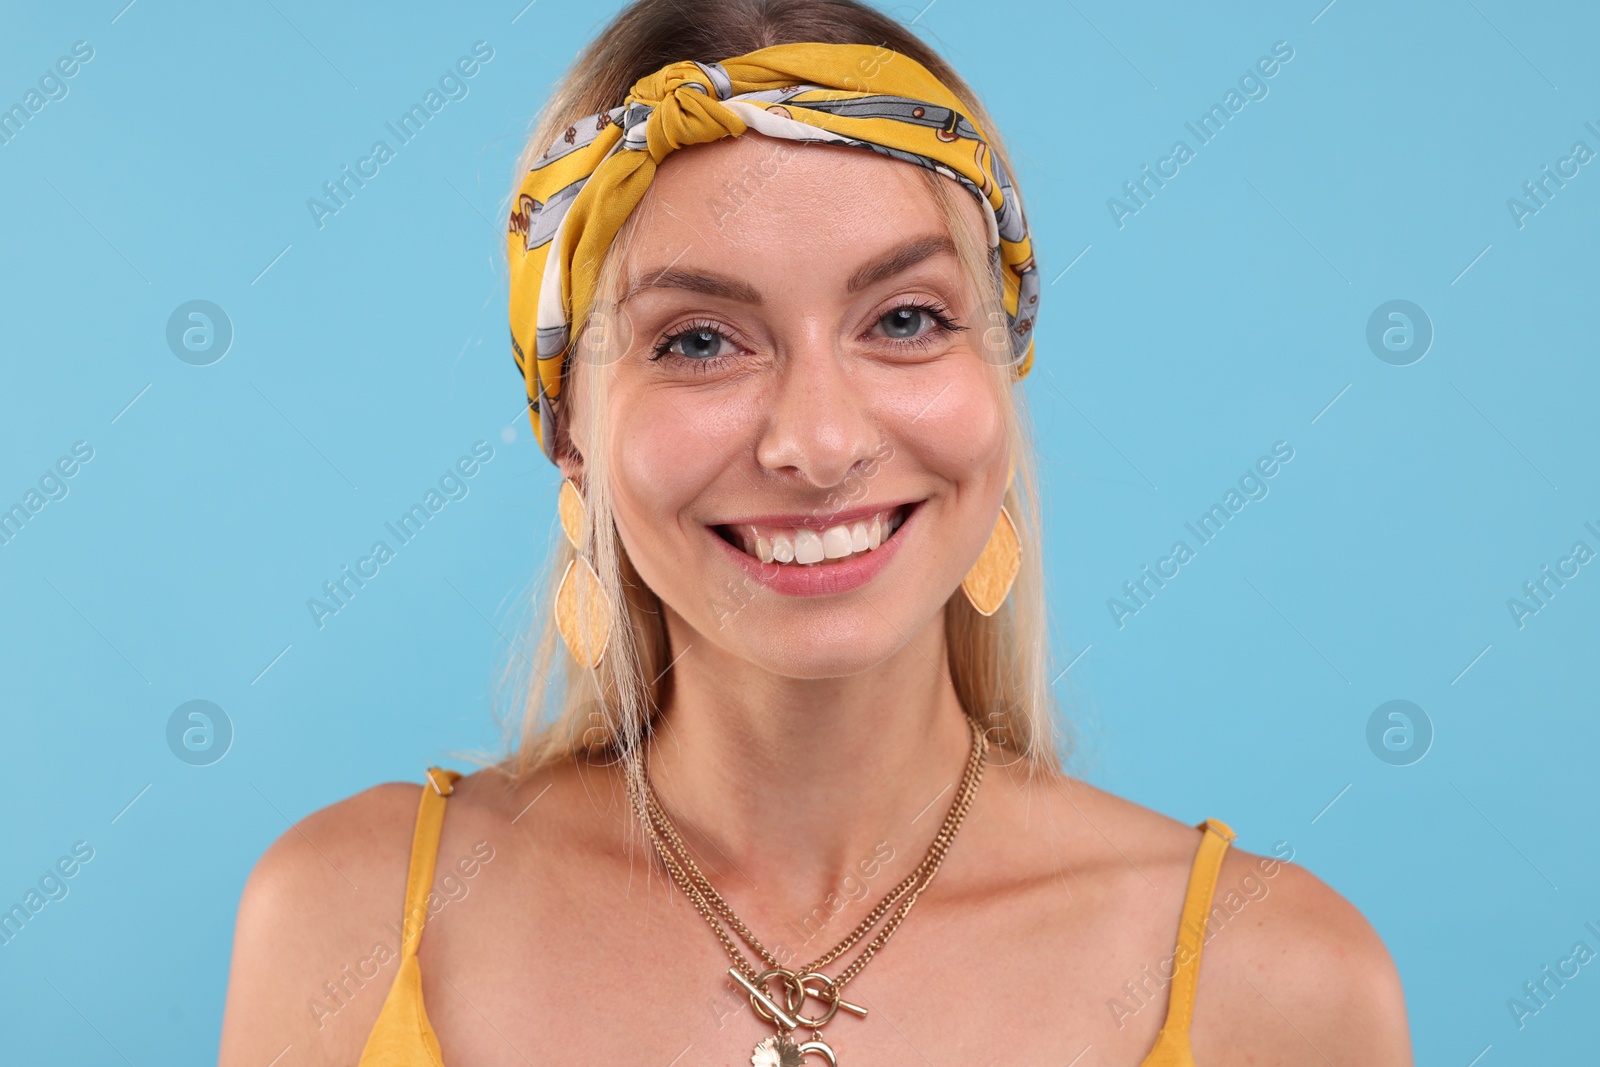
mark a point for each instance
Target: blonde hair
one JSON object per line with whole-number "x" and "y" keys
{"x": 997, "y": 664}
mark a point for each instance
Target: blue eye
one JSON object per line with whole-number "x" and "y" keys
{"x": 904, "y": 324}
{"x": 700, "y": 343}
{"x": 908, "y": 319}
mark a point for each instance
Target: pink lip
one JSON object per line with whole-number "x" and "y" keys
{"x": 818, "y": 579}
{"x": 815, "y": 520}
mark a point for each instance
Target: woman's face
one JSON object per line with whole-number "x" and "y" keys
{"x": 807, "y": 447}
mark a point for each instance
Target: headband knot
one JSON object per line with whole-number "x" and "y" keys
{"x": 679, "y": 105}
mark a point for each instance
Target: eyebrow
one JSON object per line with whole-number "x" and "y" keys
{"x": 901, "y": 258}
{"x": 694, "y": 281}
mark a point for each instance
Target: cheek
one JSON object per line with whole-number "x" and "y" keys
{"x": 669, "y": 447}
{"x": 957, "y": 430}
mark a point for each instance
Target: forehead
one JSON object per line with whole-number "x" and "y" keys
{"x": 756, "y": 197}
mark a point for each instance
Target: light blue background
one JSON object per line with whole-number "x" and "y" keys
{"x": 1226, "y": 315}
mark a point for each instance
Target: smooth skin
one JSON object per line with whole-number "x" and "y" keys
{"x": 810, "y": 745}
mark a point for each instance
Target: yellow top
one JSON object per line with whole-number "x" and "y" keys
{"x": 402, "y": 1036}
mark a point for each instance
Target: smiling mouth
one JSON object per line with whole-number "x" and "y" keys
{"x": 810, "y": 545}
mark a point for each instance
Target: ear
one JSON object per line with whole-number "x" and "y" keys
{"x": 571, "y": 465}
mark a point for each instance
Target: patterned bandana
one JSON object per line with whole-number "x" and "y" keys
{"x": 583, "y": 188}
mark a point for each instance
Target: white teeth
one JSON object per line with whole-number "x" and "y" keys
{"x": 807, "y": 546}
{"x": 836, "y": 542}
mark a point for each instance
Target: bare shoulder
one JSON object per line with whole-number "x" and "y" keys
{"x": 1293, "y": 971}
{"x": 318, "y": 938}
{"x": 1105, "y": 829}
{"x": 316, "y": 905}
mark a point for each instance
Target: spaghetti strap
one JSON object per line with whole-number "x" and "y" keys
{"x": 402, "y": 1033}
{"x": 424, "y": 851}
{"x": 1192, "y": 926}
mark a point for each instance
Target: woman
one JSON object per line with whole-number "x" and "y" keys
{"x": 769, "y": 315}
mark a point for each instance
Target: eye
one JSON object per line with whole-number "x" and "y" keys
{"x": 908, "y": 324}
{"x": 699, "y": 342}
{"x": 904, "y": 322}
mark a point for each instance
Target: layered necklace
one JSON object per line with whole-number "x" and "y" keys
{"x": 784, "y": 1010}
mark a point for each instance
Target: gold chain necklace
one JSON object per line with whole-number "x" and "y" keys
{"x": 781, "y": 1050}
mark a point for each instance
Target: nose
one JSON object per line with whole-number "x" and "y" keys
{"x": 819, "y": 424}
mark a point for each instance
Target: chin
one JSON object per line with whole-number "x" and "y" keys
{"x": 820, "y": 642}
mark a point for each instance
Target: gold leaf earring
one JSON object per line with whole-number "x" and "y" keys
{"x": 989, "y": 582}
{"x": 583, "y": 615}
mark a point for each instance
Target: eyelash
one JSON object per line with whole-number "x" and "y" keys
{"x": 695, "y": 326}
{"x": 944, "y": 324}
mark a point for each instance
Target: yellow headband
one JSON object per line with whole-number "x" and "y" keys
{"x": 583, "y": 188}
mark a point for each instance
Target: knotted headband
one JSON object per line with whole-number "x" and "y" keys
{"x": 582, "y": 189}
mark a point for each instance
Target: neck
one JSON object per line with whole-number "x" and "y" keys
{"x": 791, "y": 791}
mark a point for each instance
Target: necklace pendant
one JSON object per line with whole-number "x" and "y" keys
{"x": 780, "y": 1050}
